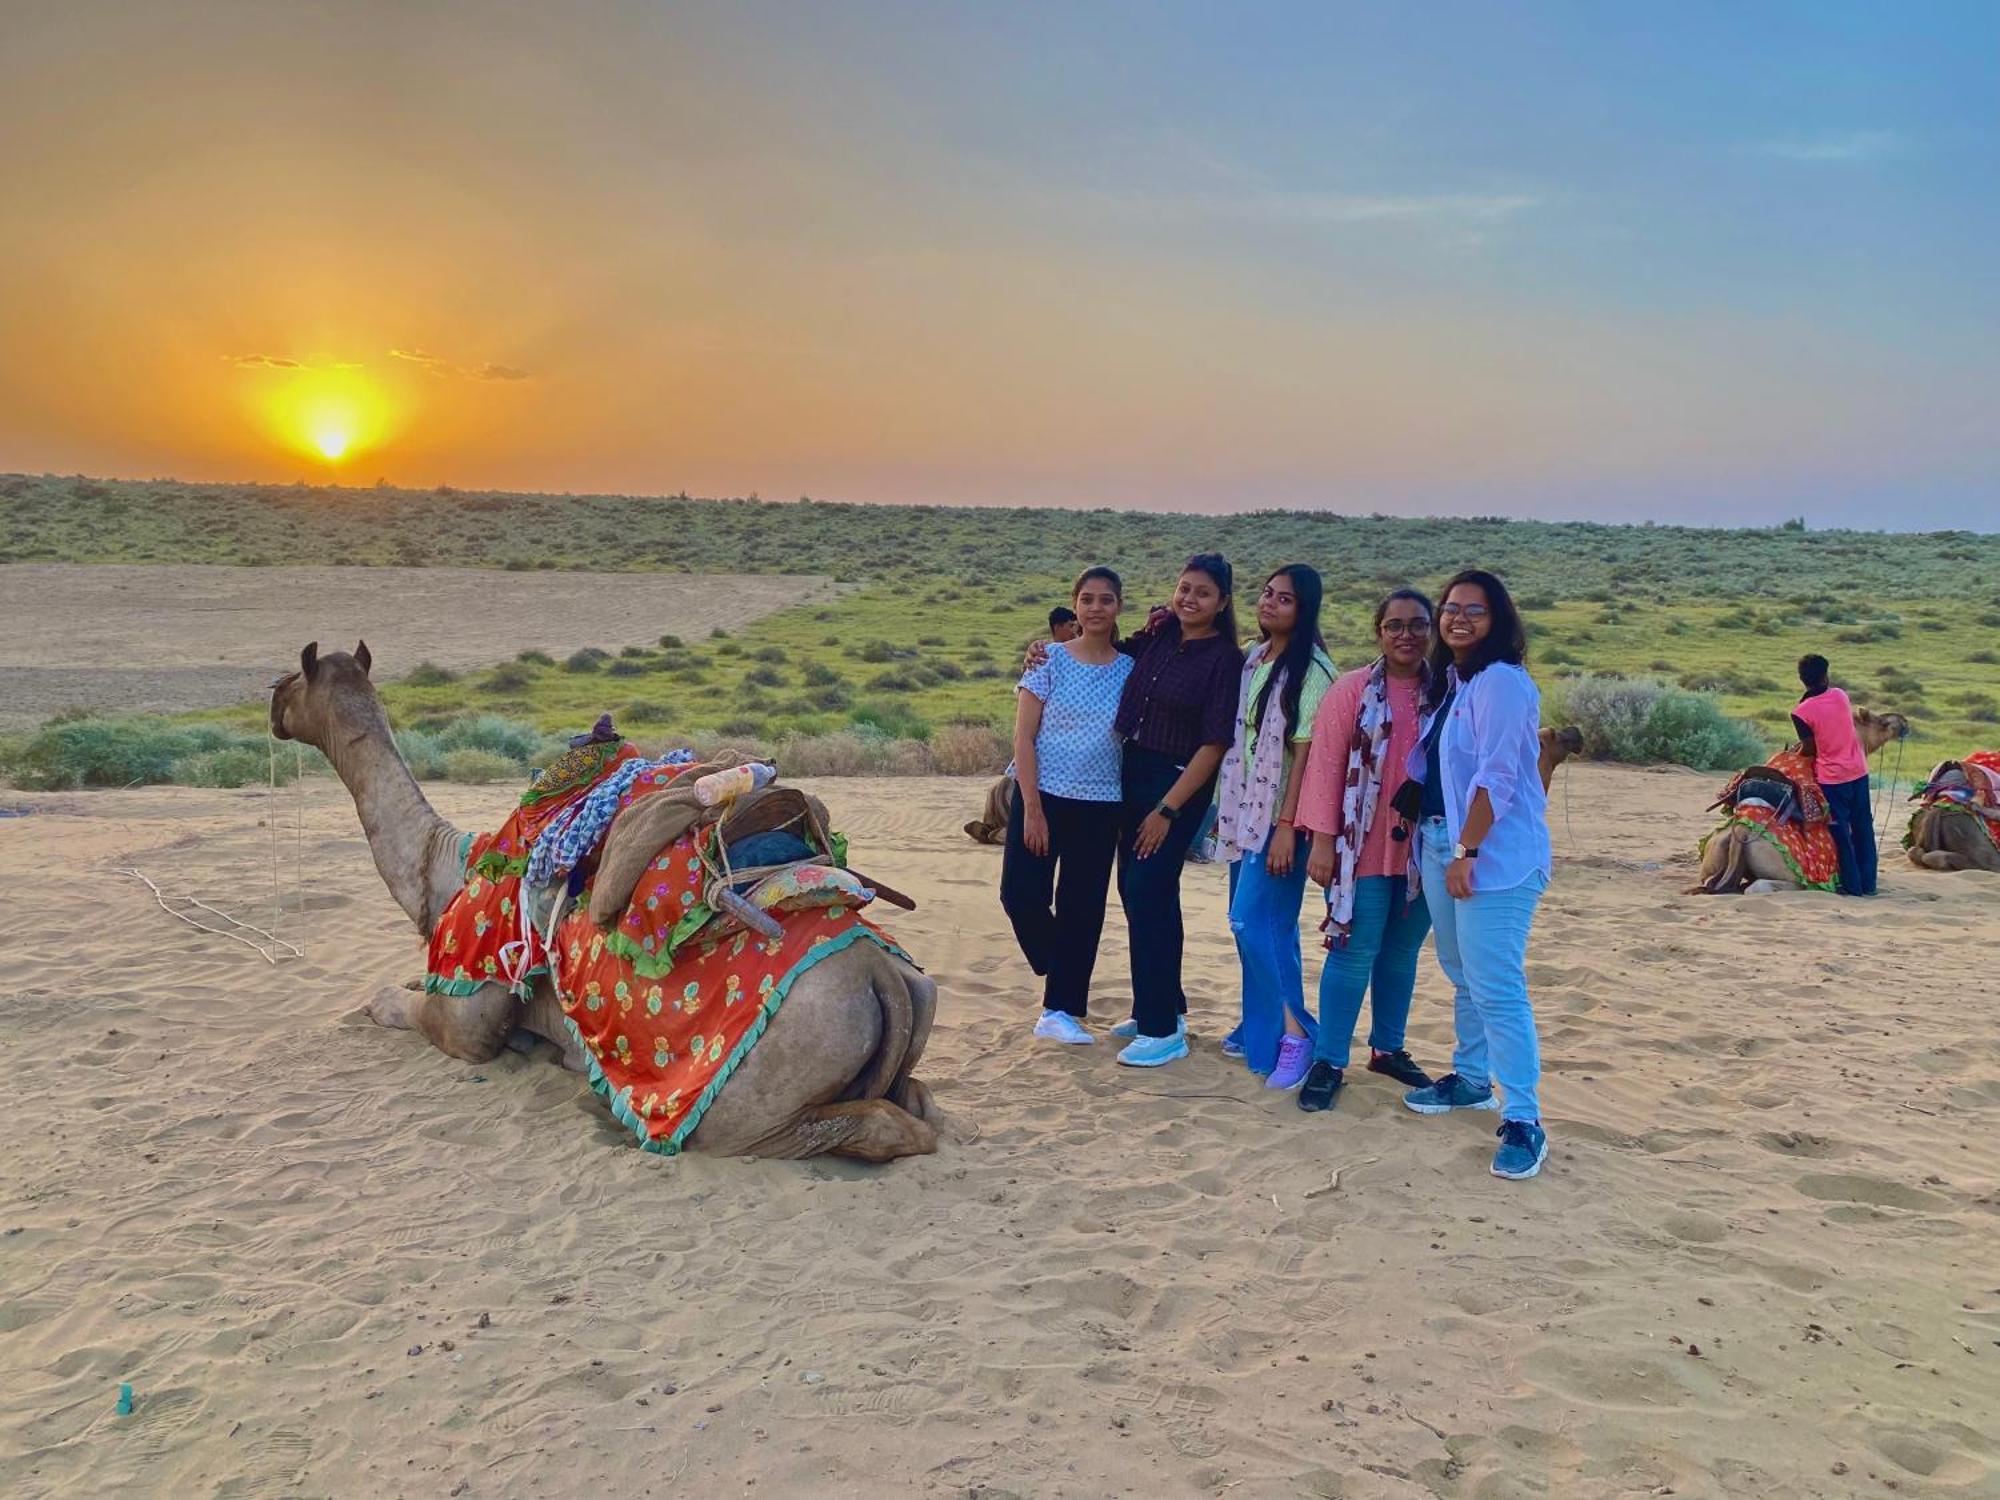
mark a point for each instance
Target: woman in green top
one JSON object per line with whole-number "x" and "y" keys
{"x": 1284, "y": 677}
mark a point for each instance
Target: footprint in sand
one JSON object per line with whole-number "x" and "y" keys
{"x": 1845, "y": 1187}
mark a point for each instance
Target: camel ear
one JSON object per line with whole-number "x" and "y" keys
{"x": 309, "y": 660}
{"x": 363, "y": 656}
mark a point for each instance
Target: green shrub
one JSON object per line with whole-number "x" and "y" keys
{"x": 896, "y": 721}
{"x": 741, "y": 728}
{"x": 645, "y": 711}
{"x": 587, "y": 660}
{"x": 534, "y": 658}
{"x": 895, "y": 682}
{"x": 625, "y": 666}
{"x": 508, "y": 738}
{"x": 947, "y": 671}
{"x": 75, "y": 752}
{"x": 820, "y": 675}
{"x": 671, "y": 643}
{"x": 429, "y": 674}
{"x": 775, "y": 655}
{"x": 509, "y": 677}
{"x": 1984, "y": 658}
{"x": 878, "y": 652}
{"x": 764, "y": 677}
{"x": 718, "y": 634}
{"x": 1642, "y": 720}
{"x": 480, "y": 767}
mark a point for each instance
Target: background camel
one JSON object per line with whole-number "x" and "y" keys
{"x": 1737, "y": 859}
{"x": 1947, "y": 837}
{"x": 831, "y": 1073}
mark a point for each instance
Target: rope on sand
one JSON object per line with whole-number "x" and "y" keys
{"x": 270, "y": 954}
{"x": 1885, "y": 795}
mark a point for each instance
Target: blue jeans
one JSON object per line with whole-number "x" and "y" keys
{"x": 1482, "y": 946}
{"x": 1264, "y": 916}
{"x": 1378, "y": 958}
{"x": 1853, "y": 831}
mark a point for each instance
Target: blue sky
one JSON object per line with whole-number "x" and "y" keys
{"x": 1689, "y": 262}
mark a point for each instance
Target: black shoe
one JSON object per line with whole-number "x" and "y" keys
{"x": 1400, "y": 1066}
{"x": 1323, "y": 1082}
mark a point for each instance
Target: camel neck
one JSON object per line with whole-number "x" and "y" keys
{"x": 416, "y": 851}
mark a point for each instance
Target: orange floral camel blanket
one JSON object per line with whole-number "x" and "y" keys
{"x": 1981, "y": 770}
{"x": 1805, "y": 840}
{"x": 668, "y": 1002}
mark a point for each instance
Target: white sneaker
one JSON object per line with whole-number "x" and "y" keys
{"x": 1129, "y": 1028}
{"x": 1061, "y": 1026}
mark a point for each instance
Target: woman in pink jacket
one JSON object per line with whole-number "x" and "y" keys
{"x": 1376, "y": 919}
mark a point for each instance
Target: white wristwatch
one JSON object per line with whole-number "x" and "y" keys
{"x": 1459, "y": 851}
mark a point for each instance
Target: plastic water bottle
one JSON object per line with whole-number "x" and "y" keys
{"x": 727, "y": 786}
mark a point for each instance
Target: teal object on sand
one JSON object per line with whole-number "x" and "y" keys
{"x": 125, "y": 1399}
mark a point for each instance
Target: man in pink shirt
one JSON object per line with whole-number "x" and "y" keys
{"x": 1824, "y": 719}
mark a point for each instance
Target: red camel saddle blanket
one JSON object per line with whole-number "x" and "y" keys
{"x": 1807, "y": 847}
{"x": 1982, "y": 789}
{"x": 660, "y": 1049}
{"x": 483, "y": 938}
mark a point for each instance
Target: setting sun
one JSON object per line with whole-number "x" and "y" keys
{"x": 331, "y": 438}
{"x": 330, "y": 413}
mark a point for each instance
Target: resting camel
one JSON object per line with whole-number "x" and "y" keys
{"x": 1944, "y": 837}
{"x": 1738, "y": 859}
{"x": 831, "y": 1073}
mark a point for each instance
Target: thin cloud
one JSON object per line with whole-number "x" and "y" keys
{"x": 443, "y": 368}
{"x": 263, "y": 362}
{"x": 1840, "y": 148}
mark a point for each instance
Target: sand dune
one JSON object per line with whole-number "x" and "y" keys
{"x": 161, "y": 639}
{"x": 1763, "y": 1259}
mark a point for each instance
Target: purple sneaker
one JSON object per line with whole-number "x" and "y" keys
{"x": 1294, "y": 1058}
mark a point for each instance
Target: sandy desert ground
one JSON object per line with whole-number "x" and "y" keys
{"x": 1763, "y": 1260}
{"x": 161, "y": 639}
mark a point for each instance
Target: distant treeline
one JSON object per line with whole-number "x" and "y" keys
{"x": 54, "y": 518}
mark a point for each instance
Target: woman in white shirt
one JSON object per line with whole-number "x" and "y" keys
{"x": 1484, "y": 844}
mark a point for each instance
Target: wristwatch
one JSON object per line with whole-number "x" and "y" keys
{"x": 1169, "y": 813}
{"x": 1459, "y": 851}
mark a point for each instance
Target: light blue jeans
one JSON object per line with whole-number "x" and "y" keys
{"x": 1482, "y": 946}
{"x": 1379, "y": 959}
{"x": 1264, "y": 917}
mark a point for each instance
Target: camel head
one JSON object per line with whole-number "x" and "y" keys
{"x": 326, "y": 690}
{"x": 1876, "y": 730}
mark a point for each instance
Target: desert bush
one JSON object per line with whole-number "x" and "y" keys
{"x": 625, "y": 666}
{"x": 479, "y": 767}
{"x": 895, "y": 721}
{"x": 633, "y": 651}
{"x": 75, "y": 752}
{"x": 1984, "y": 658}
{"x": 508, "y": 738}
{"x": 774, "y": 655}
{"x": 878, "y": 652}
{"x": 671, "y": 643}
{"x": 764, "y": 677}
{"x": 1643, "y": 720}
{"x": 587, "y": 660}
{"x": 534, "y": 658}
{"x": 968, "y": 750}
{"x": 509, "y": 677}
{"x": 895, "y": 682}
{"x": 947, "y": 671}
{"x": 718, "y": 634}
{"x": 932, "y": 640}
{"x": 1556, "y": 656}
{"x": 1876, "y": 630}
{"x": 1728, "y": 680}
{"x": 741, "y": 728}
{"x": 646, "y": 711}
{"x": 429, "y": 674}
{"x": 820, "y": 675}
{"x": 843, "y": 753}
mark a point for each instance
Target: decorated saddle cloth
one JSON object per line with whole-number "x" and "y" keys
{"x": 1802, "y": 833}
{"x": 670, "y": 999}
{"x": 1981, "y": 773}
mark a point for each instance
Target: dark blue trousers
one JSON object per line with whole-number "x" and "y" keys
{"x": 1853, "y": 834}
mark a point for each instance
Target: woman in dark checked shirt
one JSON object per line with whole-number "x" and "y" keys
{"x": 1177, "y": 717}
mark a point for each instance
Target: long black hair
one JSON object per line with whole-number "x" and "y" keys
{"x": 1100, "y": 572}
{"x": 1433, "y": 680}
{"x": 1216, "y": 566}
{"x": 1506, "y": 641}
{"x": 1296, "y": 659}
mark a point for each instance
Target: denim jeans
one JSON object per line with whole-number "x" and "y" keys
{"x": 1379, "y": 958}
{"x": 1482, "y": 946}
{"x": 1074, "y": 878}
{"x": 1264, "y": 917}
{"x": 1150, "y": 889}
{"x": 1853, "y": 834}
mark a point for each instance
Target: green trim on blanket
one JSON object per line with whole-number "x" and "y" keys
{"x": 436, "y": 985}
{"x": 496, "y": 866}
{"x": 1775, "y": 842}
{"x": 620, "y": 1101}
{"x": 1987, "y": 825}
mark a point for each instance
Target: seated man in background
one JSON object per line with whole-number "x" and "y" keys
{"x": 990, "y": 827}
{"x": 1824, "y": 719}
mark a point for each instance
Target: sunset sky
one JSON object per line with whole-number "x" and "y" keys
{"x": 1709, "y": 263}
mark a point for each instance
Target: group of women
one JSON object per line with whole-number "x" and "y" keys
{"x": 1411, "y": 790}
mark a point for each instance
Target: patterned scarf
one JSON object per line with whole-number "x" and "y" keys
{"x": 1360, "y": 791}
{"x": 1247, "y": 799}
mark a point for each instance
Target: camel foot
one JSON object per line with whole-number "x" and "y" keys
{"x": 1766, "y": 887}
{"x": 1940, "y": 859}
{"x": 979, "y": 833}
{"x": 866, "y": 1129}
{"x": 914, "y": 1098}
{"x": 395, "y": 1006}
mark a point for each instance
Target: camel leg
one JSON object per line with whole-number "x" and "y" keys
{"x": 1721, "y": 865}
{"x": 1939, "y": 859}
{"x": 913, "y": 1096}
{"x": 473, "y": 1027}
{"x": 866, "y": 1129}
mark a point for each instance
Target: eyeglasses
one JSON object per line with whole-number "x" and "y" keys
{"x": 1470, "y": 611}
{"x": 1406, "y": 627}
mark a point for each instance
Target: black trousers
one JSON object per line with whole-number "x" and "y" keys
{"x": 1150, "y": 888}
{"x": 1060, "y": 943}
